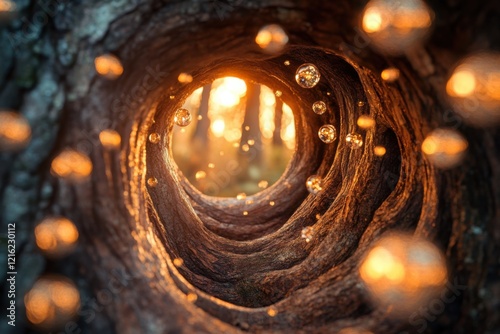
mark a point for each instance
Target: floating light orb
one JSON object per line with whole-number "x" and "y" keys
{"x": 474, "y": 89}
{"x": 192, "y": 297}
{"x": 327, "y": 133}
{"x": 52, "y": 302}
{"x": 319, "y": 107}
{"x": 272, "y": 311}
{"x": 185, "y": 78}
{"x": 178, "y": 262}
{"x": 241, "y": 196}
{"x": 71, "y": 165}
{"x": 272, "y": 203}
{"x": 263, "y": 184}
{"x": 379, "y": 151}
{"x": 314, "y": 184}
{"x": 286, "y": 62}
{"x": 182, "y": 117}
{"x": 8, "y": 10}
{"x": 404, "y": 272}
{"x": 307, "y": 75}
{"x": 365, "y": 122}
{"x": 390, "y": 74}
{"x": 110, "y": 139}
{"x": 154, "y": 138}
{"x": 200, "y": 175}
{"x": 445, "y": 148}
{"x": 307, "y": 233}
{"x": 108, "y": 66}
{"x": 354, "y": 141}
{"x": 271, "y": 38}
{"x": 152, "y": 182}
{"x": 56, "y": 236}
{"x": 393, "y": 27}
{"x": 15, "y": 131}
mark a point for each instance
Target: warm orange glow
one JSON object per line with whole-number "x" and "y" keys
{"x": 272, "y": 311}
{"x": 445, "y": 148}
{"x": 288, "y": 127}
{"x": 372, "y": 20}
{"x": 227, "y": 92}
{"x": 271, "y": 38}
{"x": 185, "y": 78}
{"x": 7, "y": 6}
{"x": 200, "y": 175}
{"x": 379, "y": 15}
{"x": 403, "y": 271}
{"x": 71, "y": 165}
{"x": 379, "y": 151}
{"x": 56, "y": 236}
{"x": 461, "y": 84}
{"x": 365, "y": 122}
{"x": 110, "y": 139}
{"x": 15, "y": 131}
{"x": 192, "y": 297}
{"x": 390, "y": 74}
{"x": 178, "y": 262}
{"x": 108, "y": 66}
{"x": 51, "y": 302}
{"x": 474, "y": 89}
{"x": 394, "y": 26}
{"x": 217, "y": 127}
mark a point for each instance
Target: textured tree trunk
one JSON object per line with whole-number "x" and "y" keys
{"x": 239, "y": 265}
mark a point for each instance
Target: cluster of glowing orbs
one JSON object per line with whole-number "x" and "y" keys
{"x": 56, "y": 236}
{"x": 314, "y": 184}
{"x": 15, "y": 131}
{"x": 327, "y": 133}
{"x": 182, "y": 117}
{"x": 354, "y": 141}
{"x": 72, "y": 165}
{"x": 52, "y": 302}
{"x": 110, "y": 139}
{"x": 474, "y": 89}
{"x": 307, "y": 233}
{"x": 404, "y": 272}
{"x": 319, "y": 107}
{"x": 393, "y": 27}
{"x": 445, "y": 148}
{"x": 271, "y": 38}
{"x": 307, "y": 75}
{"x": 108, "y": 66}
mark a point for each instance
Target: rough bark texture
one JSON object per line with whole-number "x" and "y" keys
{"x": 238, "y": 265}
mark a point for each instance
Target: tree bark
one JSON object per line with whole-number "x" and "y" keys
{"x": 240, "y": 265}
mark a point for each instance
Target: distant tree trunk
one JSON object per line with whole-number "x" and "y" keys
{"x": 278, "y": 118}
{"x": 202, "y": 126}
{"x": 251, "y": 120}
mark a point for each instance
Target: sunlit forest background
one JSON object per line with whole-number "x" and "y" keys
{"x": 240, "y": 140}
